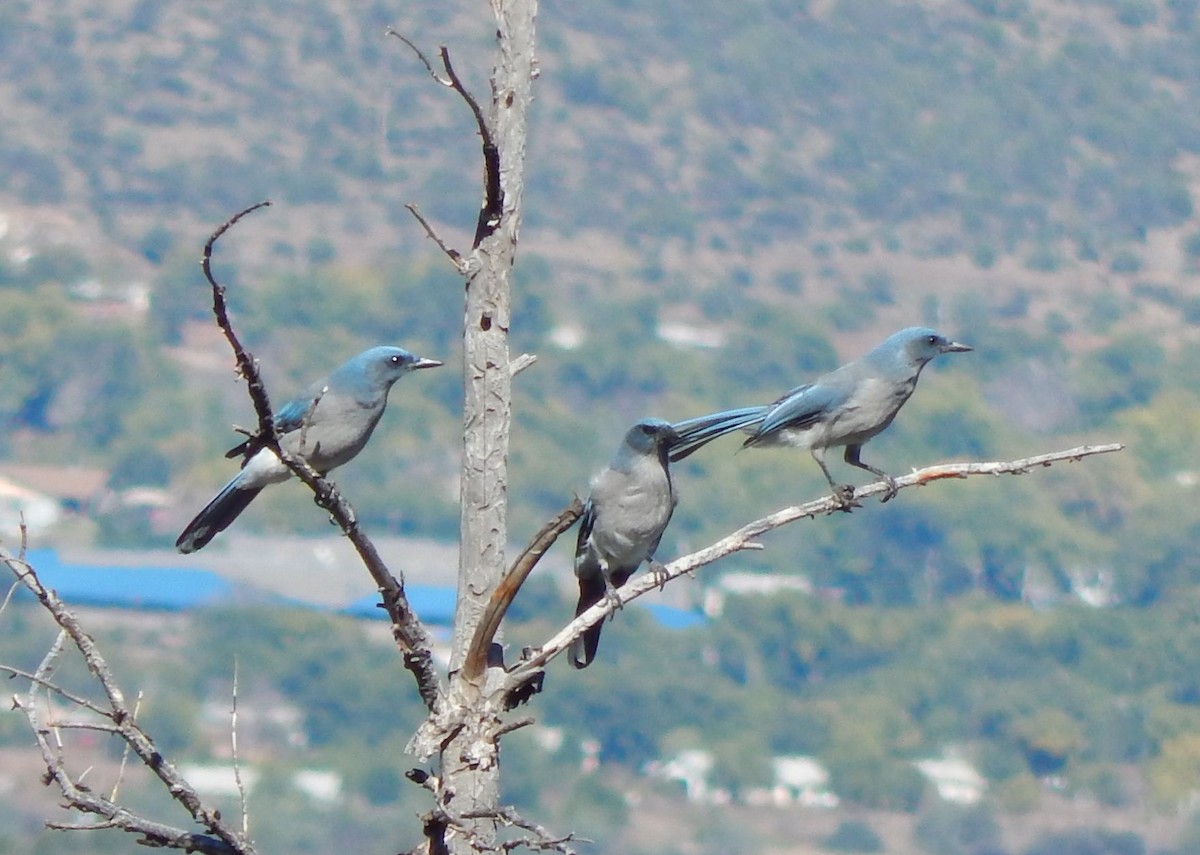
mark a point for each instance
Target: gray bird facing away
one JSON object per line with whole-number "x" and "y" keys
{"x": 623, "y": 520}
{"x": 326, "y": 434}
{"x": 845, "y": 407}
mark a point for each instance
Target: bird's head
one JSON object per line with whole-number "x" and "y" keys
{"x": 921, "y": 344}
{"x": 650, "y": 435}
{"x": 385, "y": 365}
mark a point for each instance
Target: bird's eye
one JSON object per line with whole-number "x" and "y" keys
{"x": 395, "y": 360}
{"x": 933, "y": 339}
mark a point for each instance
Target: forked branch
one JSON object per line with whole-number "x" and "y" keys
{"x": 493, "y": 199}
{"x": 409, "y": 633}
{"x": 218, "y": 838}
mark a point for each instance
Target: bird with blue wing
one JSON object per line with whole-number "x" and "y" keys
{"x": 326, "y": 426}
{"x": 624, "y": 518}
{"x": 844, "y": 408}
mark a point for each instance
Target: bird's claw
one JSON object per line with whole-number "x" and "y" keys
{"x": 843, "y": 494}
{"x": 611, "y": 597}
{"x": 891, "y": 491}
{"x": 659, "y": 572}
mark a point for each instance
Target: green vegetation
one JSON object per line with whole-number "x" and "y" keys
{"x": 797, "y": 179}
{"x": 1099, "y": 699}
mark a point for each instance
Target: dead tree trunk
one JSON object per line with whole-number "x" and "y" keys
{"x": 470, "y": 773}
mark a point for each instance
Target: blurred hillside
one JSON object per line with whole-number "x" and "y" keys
{"x": 862, "y": 155}
{"x": 723, "y": 200}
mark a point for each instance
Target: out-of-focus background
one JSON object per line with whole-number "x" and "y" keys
{"x": 723, "y": 200}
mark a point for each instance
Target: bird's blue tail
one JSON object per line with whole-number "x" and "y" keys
{"x": 694, "y": 434}
{"x": 216, "y": 516}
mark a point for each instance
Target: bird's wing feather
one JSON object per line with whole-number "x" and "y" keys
{"x": 802, "y": 408}
{"x": 288, "y": 418}
{"x": 586, "y": 522}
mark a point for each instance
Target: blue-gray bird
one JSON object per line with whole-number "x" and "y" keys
{"x": 623, "y": 520}
{"x": 326, "y": 426}
{"x": 845, "y": 407}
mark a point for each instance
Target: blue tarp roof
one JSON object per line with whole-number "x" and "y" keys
{"x": 174, "y": 589}
{"x": 433, "y": 604}
{"x": 165, "y": 588}
{"x": 673, "y": 618}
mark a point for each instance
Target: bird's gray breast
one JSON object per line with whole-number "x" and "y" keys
{"x": 869, "y": 410}
{"x": 336, "y": 432}
{"x": 632, "y": 509}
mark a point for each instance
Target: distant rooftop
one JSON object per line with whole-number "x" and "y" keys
{"x": 159, "y": 588}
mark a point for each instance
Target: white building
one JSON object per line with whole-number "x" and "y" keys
{"x": 802, "y": 781}
{"x": 955, "y": 780}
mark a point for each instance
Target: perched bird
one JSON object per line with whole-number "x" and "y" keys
{"x": 845, "y": 407}
{"x": 326, "y": 426}
{"x": 623, "y": 520}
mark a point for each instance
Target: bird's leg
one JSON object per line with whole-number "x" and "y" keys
{"x": 610, "y": 592}
{"x": 659, "y": 571}
{"x": 844, "y": 493}
{"x": 852, "y": 457}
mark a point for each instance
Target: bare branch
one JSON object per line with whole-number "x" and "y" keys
{"x": 541, "y": 841}
{"x": 112, "y": 797}
{"x": 745, "y": 538}
{"x": 302, "y": 448}
{"x": 237, "y": 766}
{"x": 93, "y": 726}
{"x": 493, "y": 205}
{"x": 247, "y": 366}
{"x": 12, "y": 590}
{"x": 220, "y": 839}
{"x": 410, "y": 635}
{"x": 52, "y": 687}
{"x": 521, "y": 363}
{"x": 515, "y": 724}
{"x": 460, "y": 263}
{"x": 392, "y": 31}
{"x": 502, "y": 596}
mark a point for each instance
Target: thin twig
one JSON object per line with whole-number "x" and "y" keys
{"x": 78, "y": 700}
{"x": 112, "y": 797}
{"x": 94, "y": 726}
{"x": 237, "y": 766}
{"x": 391, "y": 31}
{"x": 745, "y": 538}
{"x": 460, "y": 263}
{"x": 493, "y": 205}
{"x": 12, "y": 590}
{"x": 302, "y": 448}
{"x": 247, "y": 366}
{"x": 542, "y": 839}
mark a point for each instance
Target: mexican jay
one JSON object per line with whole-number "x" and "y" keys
{"x": 845, "y": 407}
{"x": 623, "y": 520}
{"x": 326, "y": 426}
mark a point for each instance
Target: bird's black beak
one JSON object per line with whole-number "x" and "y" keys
{"x": 955, "y": 347}
{"x": 434, "y": 363}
